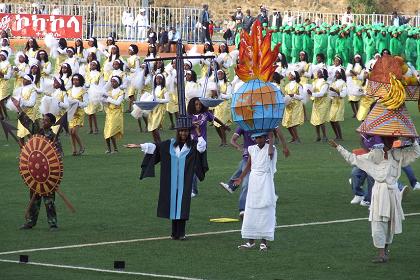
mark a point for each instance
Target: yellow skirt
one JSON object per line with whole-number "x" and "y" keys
{"x": 78, "y": 118}
{"x": 337, "y": 110}
{"x": 114, "y": 122}
{"x": 320, "y": 111}
{"x": 172, "y": 106}
{"x": 155, "y": 117}
{"x": 293, "y": 114}
{"x": 364, "y": 107}
{"x": 37, "y": 104}
{"x": 222, "y": 112}
{"x": 4, "y": 89}
{"x": 93, "y": 109}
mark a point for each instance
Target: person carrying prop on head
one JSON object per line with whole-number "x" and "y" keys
{"x": 388, "y": 119}
{"x": 260, "y": 208}
{"x": 181, "y": 159}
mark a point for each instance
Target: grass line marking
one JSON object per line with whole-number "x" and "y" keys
{"x": 103, "y": 270}
{"x": 191, "y": 235}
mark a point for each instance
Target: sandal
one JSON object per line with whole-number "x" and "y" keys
{"x": 246, "y": 246}
{"x": 82, "y": 151}
{"x": 263, "y": 247}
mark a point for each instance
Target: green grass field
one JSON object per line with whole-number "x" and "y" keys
{"x": 112, "y": 204}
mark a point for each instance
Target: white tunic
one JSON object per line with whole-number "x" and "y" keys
{"x": 386, "y": 200}
{"x": 260, "y": 209}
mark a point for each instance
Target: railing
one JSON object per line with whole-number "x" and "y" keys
{"x": 330, "y": 18}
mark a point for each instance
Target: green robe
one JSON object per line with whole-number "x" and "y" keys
{"x": 411, "y": 50}
{"x": 370, "y": 48}
{"x": 331, "y": 49}
{"x": 286, "y": 47}
{"x": 320, "y": 45}
{"x": 307, "y": 44}
{"x": 358, "y": 45}
{"x": 297, "y": 47}
{"x": 343, "y": 50}
{"x": 395, "y": 46}
{"x": 382, "y": 43}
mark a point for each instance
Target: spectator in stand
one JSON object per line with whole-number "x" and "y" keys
{"x": 2, "y": 7}
{"x": 173, "y": 37}
{"x": 275, "y": 19}
{"x": 35, "y": 9}
{"x": 229, "y": 35}
{"x": 211, "y": 29}
{"x": 56, "y": 10}
{"x": 142, "y": 22}
{"x": 399, "y": 20}
{"x": 91, "y": 18}
{"x": 239, "y": 16}
{"x": 205, "y": 21}
{"x": 347, "y": 17}
{"x": 163, "y": 39}
{"x": 76, "y": 10}
{"x": 127, "y": 20}
{"x": 247, "y": 21}
{"x": 262, "y": 16}
{"x": 288, "y": 19}
{"x": 151, "y": 36}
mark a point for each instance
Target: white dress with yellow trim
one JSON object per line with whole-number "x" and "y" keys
{"x": 170, "y": 78}
{"x": 293, "y": 113}
{"x": 6, "y": 72}
{"x": 22, "y": 70}
{"x": 63, "y": 103}
{"x": 27, "y": 103}
{"x": 79, "y": 96}
{"x": 114, "y": 119}
{"x": 355, "y": 83}
{"x": 321, "y": 102}
{"x": 93, "y": 78}
{"x": 337, "y": 100}
{"x": 133, "y": 65}
{"x": 62, "y": 56}
{"x": 155, "y": 117}
{"x": 222, "y": 111}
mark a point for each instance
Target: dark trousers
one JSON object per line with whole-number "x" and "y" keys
{"x": 178, "y": 228}
{"x": 205, "y": 33}
{"x": 49, "y": 202}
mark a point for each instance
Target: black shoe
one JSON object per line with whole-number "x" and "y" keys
{"x": 53, "y": 228}
{"x": 25, "y": 226}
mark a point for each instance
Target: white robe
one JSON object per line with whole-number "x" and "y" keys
{"x": 386, "y": 199}
{"x": 260, "y": 209}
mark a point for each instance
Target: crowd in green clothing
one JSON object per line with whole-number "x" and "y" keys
{"x": 346, "y": 41}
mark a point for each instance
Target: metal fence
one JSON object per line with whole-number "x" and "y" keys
{"x": 330, "y": 18}
{"x": 103, "y": 21}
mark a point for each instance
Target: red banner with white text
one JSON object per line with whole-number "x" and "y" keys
{"x": 27, "y": 25}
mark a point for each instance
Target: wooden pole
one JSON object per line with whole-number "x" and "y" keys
{"x": 66, "y": 201}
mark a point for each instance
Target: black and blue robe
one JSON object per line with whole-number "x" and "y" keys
{"x": 176, "y": 177}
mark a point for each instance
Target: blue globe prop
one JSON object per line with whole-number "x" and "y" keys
{"x": 257, "y": 106}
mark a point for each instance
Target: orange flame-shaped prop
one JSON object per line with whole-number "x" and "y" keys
{"x": 256, "y": 59}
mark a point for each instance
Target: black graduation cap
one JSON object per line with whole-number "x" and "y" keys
{"x": 8, "y": 129}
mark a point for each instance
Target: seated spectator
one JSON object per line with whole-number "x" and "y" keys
{"x": 163, "y": 39}
{"x": 151, "y": 36}
{"x": 173, "y": 37}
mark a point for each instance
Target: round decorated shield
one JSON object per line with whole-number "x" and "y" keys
{"x": 40, "y": 165}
